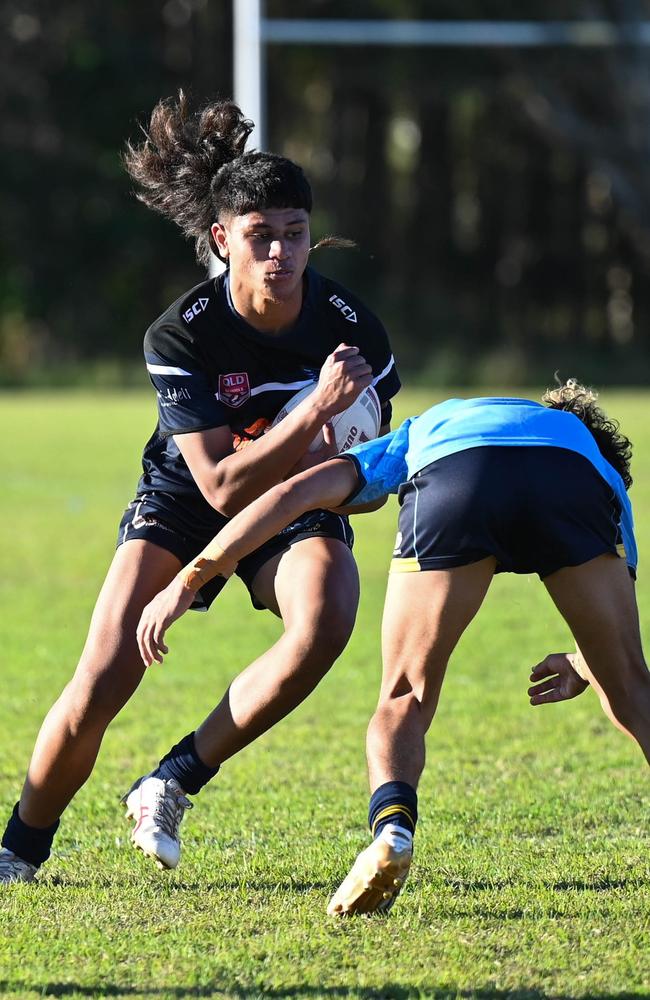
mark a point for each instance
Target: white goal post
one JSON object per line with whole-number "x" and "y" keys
{"x": 252, "y": 32}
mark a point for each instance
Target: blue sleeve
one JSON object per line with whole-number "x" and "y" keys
{"x": 187, "y": 401}
{"x": 380, "y": 464}
{"x": 627, "y": 532}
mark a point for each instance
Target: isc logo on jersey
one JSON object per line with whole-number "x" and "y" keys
{"x": 343, "y": 308}
{"x": 195, "y": 310}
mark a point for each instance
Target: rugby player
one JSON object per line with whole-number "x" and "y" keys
{"x": 485, "y": 486}
{"x": 223, "y": 359}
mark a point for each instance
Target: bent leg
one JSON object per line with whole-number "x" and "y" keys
{"x": 425, "y": 615}
{"x": 108, "y": 673}
{"x": 598, "y": 603}
{"x": 314, "y": 586}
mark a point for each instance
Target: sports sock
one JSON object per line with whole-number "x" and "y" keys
{"x": 394, "y": 804}
{"x": 397, "y": 836}
{"x": 184, "y": 764}
{"x": 28, "y": 842}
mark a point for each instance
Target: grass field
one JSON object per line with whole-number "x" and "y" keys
{"x": 531, "y": 877}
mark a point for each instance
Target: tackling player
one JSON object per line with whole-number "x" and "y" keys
{"x": 224, "y": 358}
{"x": 485, "y": 486}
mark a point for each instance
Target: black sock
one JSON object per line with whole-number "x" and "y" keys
{"x": 184, "y": 764}
{"x": 28, "y": 842}
{"x": 393, "y": 802}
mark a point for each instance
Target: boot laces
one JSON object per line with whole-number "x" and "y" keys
{"x": 168, "y": 808}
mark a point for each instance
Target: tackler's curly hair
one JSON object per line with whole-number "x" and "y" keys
{"x": 581, "y": 401}
{"x": 191, "y": 167}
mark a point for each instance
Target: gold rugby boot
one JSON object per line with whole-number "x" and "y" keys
{"x": 374, "y": 881}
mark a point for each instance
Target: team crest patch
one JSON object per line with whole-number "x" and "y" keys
{"x": 234, "y": 389}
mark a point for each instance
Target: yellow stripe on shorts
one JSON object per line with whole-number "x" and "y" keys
{"x": 410, "y": 565}
{"x": 620, "y": 551}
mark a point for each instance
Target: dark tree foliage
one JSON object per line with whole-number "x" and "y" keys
{"x": 85, "y": 267}
{"x": 499, "y": 196}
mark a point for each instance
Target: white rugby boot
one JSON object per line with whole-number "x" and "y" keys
{"x": 376, "y": 877}
{"x": 14, "y": 869}
{"x": 157, "y": 806}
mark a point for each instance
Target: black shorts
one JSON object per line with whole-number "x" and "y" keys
{"x": 535, "y": 509}
{"x": 158, "y": 518}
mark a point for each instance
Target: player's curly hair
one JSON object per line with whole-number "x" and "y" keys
{"x": 577, "y": 399}
{"x": 191, "y": 167}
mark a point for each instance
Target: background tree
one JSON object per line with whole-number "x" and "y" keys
{"x": 499, "y": 196}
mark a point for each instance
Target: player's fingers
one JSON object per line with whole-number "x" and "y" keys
{"x": 148, "y": 655}
{"x": 150, "y": 640}
{"x": 142, "y": 646}
{"x": 547, "y": 698}
{"x": 151, "y": 649}
{"x": 161, "y": 647}
{"x": 344, "y": 351}
{"x": 157, "y": 643}
{"x": 543, "y": 687}
{"x": 361, "y": 367}
{"x": 328, "y": 435}
{"x": 362, "y": 382}
{"x": 543, "y": 669}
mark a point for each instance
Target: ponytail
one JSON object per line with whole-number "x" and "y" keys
{"x": 177, "y": 163}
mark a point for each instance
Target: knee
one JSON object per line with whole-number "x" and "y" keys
{"x": 406, "y": 690}
{"x": 94, "y": 697}
{"x": 323, "y": 640}
{"x": 88, "y": 705}
{"x": 400, "y": 712}
{"x": 398, "y": 707}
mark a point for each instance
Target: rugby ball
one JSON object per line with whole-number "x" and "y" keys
{"x": 360, "y": 422}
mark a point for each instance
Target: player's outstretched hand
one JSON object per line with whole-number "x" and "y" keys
{"x": 555, "y": 679}
{"x": 342, "y": 378}
{"x": 166, "y": 607}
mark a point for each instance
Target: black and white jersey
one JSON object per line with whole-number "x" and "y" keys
{"x": 210, "y": 368}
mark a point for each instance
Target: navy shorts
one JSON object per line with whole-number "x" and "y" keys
{"x": 158, "y": 518}
{"x": 535, "y": 509}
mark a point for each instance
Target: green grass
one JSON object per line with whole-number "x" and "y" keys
{"x": 531, "y": 877}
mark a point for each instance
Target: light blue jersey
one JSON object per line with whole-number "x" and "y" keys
{"x": 459, "y": 424}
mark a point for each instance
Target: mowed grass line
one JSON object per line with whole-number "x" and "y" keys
{"x": 531, "y": 874}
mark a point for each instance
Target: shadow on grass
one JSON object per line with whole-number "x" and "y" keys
{"x": 391, "y": 991}
{"x": 597, "y": 884}
{"x": 252, "y": 884}
{"x": 238, "y": 885}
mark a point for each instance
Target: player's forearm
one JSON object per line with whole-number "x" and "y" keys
{"x": 327, "y": 485}
{"x": 245, "y": 475}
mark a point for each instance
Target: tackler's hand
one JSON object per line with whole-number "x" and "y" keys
{"x": 165, "y": 608}
{"x": 555, "y": 679}
{"x": 328, "y": 449}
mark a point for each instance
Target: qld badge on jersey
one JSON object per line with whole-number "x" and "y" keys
{"x": 234, "y": 389}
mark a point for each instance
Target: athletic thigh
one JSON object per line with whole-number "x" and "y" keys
{"x": 598, "y": 602}
{"x": 425, "y": 614}
{"x": 138, "y": 571}
{"x": 313, "y": 584}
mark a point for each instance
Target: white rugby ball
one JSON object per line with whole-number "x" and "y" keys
{"x": 360, "y": 422}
